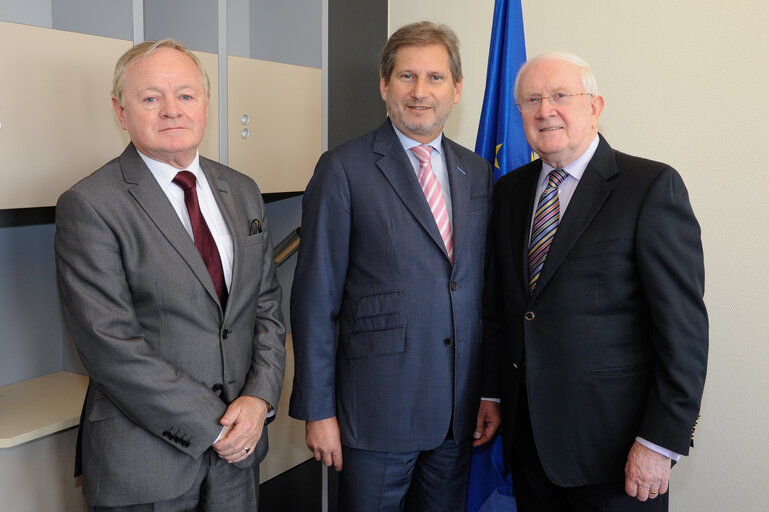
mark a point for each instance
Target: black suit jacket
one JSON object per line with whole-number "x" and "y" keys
{"x": 613, "y": 342}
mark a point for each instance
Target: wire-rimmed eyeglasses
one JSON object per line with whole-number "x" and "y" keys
{"x": 558, "y": 99}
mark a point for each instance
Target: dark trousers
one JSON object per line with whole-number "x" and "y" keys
{"x": 428, "y": 481}
{"x": 534, "y": 492}
{"x": 219, "y": 487}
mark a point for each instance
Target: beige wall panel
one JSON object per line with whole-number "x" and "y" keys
{"x": 56, "y": 120}
{"x": 287, "y": 446}
{"x": 37, "y": 476}
{"x": 209, "y": 146}
{"x": 283, "y": 103}
{"x": 57, "y": 123}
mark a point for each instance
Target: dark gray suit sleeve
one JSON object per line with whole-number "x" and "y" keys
{"x": 99, "y": 311}
{"x": 265, "y": 378}
{"x": 318, "y": 288}
{"x": 670, "y": 265}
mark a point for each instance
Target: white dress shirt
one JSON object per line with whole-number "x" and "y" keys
{"x": 438, "y": 161}
{"x": 164, "y": 174}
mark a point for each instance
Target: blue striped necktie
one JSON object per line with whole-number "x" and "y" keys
{"x": 545, "y": 223}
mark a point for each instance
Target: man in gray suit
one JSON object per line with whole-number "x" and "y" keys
{"x": 392, "y": 254}
{"x": 168, "y": 288}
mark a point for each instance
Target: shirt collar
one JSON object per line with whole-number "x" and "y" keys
{"x": 577, "y": 168}
{"x": 408, "y": 143}
{"x": 164, "y": 173}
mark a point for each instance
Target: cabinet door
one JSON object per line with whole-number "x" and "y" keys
{"x": 56, "y": 119}
{"x": 282, "y": 103}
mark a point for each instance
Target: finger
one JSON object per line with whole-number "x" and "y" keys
{"x": 631, "y": 488}
{"x": 327, "y": 459}
{"x": 653, "y": 494}
{"x": 336, "y": 458}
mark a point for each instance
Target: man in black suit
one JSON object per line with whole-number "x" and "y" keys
{"x": 595, "y": 299}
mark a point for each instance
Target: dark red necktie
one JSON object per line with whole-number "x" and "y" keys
{"x": 204, "y": 241}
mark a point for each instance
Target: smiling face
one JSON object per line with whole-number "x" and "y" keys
{"x": 559, "y": 133}
{"x": 165, "y": 108}
{"x": 420, "y": 92}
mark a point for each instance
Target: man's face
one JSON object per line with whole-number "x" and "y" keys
{"x": 420, "y": 92}
{"x": 165, "y": 108}
{"x": 558, "y": 133}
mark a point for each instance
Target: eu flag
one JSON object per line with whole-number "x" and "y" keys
{"x": 501, "y": 139}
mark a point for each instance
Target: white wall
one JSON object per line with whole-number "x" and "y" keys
{"x": 685, "y": 82}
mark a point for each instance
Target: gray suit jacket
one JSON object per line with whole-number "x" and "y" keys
{"x": 163, "y": 358}
{"x": 372, "y": 262}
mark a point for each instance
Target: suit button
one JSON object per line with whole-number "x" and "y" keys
{"x": 226, "y": 334}
{"x": 185, "y": 444}
{"x": 217, "y": 387}
{"x": 449, "y": 342}
{"x": 167, "y": 434}
{"x": 529, "y": 315}
{"x": 453, "y": 286}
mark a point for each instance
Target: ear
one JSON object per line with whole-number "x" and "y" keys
{"x": 383, "y": 84}
{"x": 457, "y": 91}
{"x": 119, "y": 111}
{"x": 597, "y": 107}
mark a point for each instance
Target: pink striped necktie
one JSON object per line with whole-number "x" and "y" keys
{"x": 434, "y": 195}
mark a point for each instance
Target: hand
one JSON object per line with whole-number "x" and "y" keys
{"x": 646, "y": 473}
{"x": 489, "y": 419}
{"x": 325, "y": 442}
{"x": 243, "y": 422}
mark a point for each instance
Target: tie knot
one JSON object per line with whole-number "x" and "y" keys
{"x": 185, "y": 179}
{"x": 556, "y": 177}
{"x": 422, "y": 153}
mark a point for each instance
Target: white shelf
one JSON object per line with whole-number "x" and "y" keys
{"x": 41, "y": 406}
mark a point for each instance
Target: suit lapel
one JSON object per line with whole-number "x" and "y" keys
{"x": 152, "y": 199}
{"x": 588, "y": 199}
{"x": 226, "y": 202}
{"x": 521, "y": 201}
{"x": 397, "y": 168}
{"x": 460, "y": 195}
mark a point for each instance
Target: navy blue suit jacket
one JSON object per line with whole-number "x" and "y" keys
{"x": 387, "y": 332}
{"x": 614, "y": 340}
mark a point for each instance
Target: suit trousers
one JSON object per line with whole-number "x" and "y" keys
{"x": 423, "y": 481}
{"x": 219, "y": 487}
{"x": 534, "y": 492}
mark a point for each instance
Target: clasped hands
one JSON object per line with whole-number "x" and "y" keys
{"x": 242, "y": 423}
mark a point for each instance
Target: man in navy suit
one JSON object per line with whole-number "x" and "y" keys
{"x": 596, "y": 301}
{"x": 386, "y": 302}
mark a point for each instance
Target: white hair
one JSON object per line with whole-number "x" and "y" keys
{"x": 588, "y": 78}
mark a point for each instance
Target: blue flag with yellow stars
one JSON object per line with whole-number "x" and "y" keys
{"x": 501, "y": 139}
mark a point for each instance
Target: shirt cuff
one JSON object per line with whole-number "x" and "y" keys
{"x": 659, "y": 449}
{"x": 497, "y": 400}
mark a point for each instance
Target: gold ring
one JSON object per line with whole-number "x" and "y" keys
{"x": 650, "y": 492}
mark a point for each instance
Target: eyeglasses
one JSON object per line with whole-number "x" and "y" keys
{"x": 558, "y": 99}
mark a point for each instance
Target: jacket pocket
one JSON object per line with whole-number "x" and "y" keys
{"x": 379, "y": 326}
{"x": 622, "y": 371}
{"x": 103, "y": 409}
